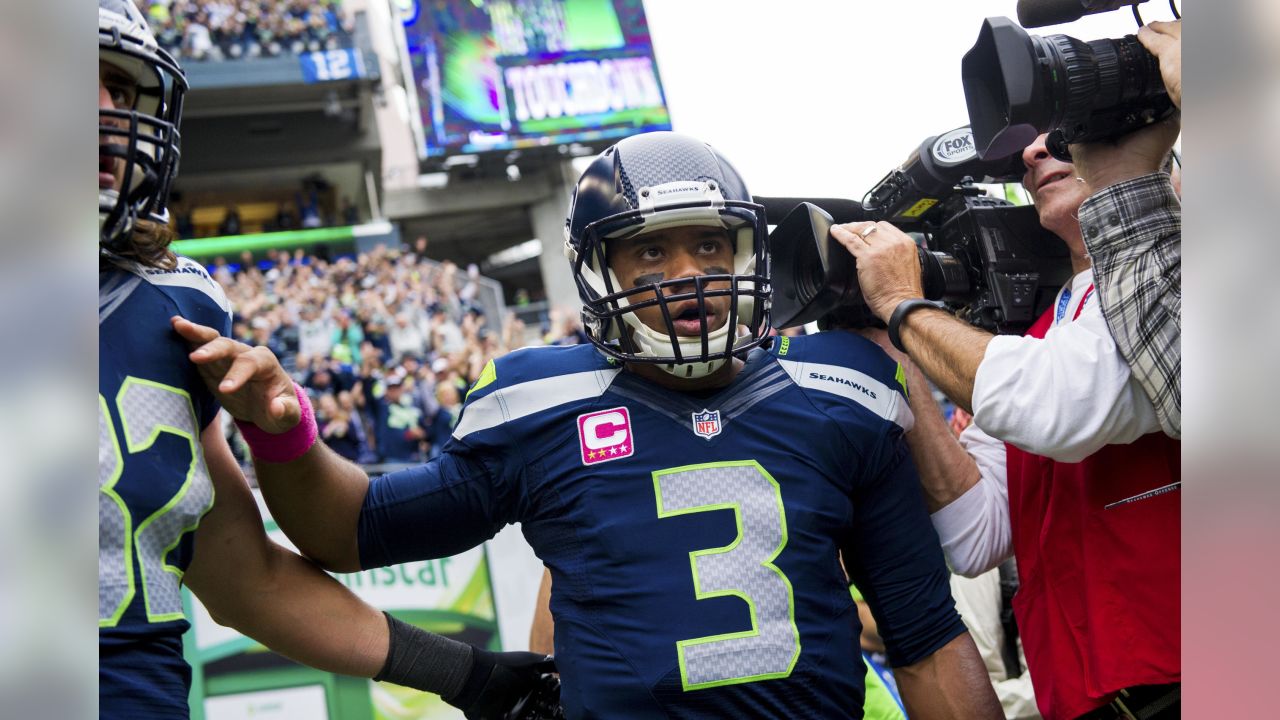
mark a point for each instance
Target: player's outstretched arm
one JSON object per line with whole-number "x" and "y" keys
{"x": 285, "y": 602}
{"x": 950, "y": 684}
{"x": 315, "y": 498}
{"x": 316, "y": 501}
{"x": 269, "y": 593}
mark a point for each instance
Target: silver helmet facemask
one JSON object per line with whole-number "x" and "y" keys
{"x": 653, "y": 182}
{"x": 139, "y": 142}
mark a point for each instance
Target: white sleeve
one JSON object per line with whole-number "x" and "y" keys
{"x": 1017, "y": 695}
{"x": 978, "y": 602}
{"x": 974, "y": 528}
{"x": 1064, "y": 396}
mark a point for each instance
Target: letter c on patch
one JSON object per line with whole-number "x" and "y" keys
{"x": 593, "y": 429}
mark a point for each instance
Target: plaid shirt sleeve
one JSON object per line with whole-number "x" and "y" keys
{"x": 1133, "y": 231}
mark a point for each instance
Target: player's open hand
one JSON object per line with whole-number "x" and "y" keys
{"x": 248, "y": 381}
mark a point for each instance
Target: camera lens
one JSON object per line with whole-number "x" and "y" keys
{"x": 1086, "y": 77}
{"x": 1018, "y": 85}
{"x": 943, "y": 276}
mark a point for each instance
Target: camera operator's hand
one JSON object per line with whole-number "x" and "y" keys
{"x": 1164, "y": 40}
{"x": 1142, "y": 152}
{"x": 888, "y": 264}
{"x": 1104, "y": 164}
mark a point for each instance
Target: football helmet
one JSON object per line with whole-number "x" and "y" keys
{"x": 651, "y": 182}
{"x": 141, "y": 141}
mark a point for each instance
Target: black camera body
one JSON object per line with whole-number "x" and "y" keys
{"x": 989, "y": 260}
{"x": 1019, "y": 85}
{"x": 1015, "y": 266}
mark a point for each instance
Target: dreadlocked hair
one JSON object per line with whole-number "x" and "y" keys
{"x": 148, "y": 245}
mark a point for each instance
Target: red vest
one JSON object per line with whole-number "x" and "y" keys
{"x": 1099, "y": 605}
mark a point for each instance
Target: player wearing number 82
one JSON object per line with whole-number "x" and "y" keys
{"x": 690, "y": 486}
{"x": 162, "y": 455}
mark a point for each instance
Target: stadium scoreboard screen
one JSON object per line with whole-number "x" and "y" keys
{"x": 492, "y": 77}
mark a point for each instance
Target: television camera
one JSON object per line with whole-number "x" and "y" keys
{"x": 985, "y": 258}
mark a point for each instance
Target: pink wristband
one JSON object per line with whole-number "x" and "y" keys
{"x": 288, "y": 445}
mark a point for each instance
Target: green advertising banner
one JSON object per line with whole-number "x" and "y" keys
{"x": 235, "y": 678}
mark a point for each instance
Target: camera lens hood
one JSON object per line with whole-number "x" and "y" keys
{"x": 1004, "y": 95}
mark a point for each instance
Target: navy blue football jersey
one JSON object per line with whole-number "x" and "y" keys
{"x": 153, "y": 486}
{"x": 694, "y": 540}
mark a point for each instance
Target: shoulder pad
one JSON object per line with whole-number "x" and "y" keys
{"x": 536, "y": 363}
{"x": 845, "y": 364}
{"x": 188, "y": 274}
{"x": 531, "y": 380}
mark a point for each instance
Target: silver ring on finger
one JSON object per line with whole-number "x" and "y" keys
{"x": 865, "y": 232}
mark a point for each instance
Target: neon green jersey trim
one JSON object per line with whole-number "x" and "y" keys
{"x": 487, "y": 376}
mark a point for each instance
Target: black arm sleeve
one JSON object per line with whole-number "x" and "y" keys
{"x": 893, "y": 555}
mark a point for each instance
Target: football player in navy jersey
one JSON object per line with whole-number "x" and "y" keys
{"x": 690, "y": 486}
{"x": 162, "y": 458}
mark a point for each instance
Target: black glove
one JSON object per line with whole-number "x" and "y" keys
{"x": 499, "y": 682}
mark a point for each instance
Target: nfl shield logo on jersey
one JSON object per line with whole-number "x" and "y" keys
{"x": 706, "y": 423}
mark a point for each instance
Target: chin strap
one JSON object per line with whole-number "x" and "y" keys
{"x": 647, "y": 341}
{"x": 689, "y": 371}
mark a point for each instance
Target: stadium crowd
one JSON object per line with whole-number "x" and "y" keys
{"x": 385, "y": 342}
{"x": 236, "y": 29}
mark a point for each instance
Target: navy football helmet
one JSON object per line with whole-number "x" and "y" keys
{"x": 139, "y": 141}
{"x": 650, "y": 182}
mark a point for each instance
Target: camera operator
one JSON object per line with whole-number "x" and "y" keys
{"x": 1133, "y": 231}
{"x": 1064, "y": 463}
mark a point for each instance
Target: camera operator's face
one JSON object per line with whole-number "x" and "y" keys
{"x": 1054, "y": 188}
